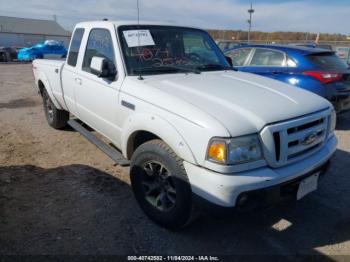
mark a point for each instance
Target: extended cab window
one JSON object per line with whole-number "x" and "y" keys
{"x": 99, "y": 44}
{"x": 239, "y": 56}
{"x": 74, "y": 47}
{"x": 267, "y": 57}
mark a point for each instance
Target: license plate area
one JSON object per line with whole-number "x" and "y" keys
{"x": 308, "y": 185}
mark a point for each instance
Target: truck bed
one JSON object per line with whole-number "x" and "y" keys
{"x": 49, "y": 70}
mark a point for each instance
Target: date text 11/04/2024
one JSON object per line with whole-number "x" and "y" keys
{"x": 173, "y": 258}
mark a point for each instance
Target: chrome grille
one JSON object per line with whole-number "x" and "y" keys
{"x": 293, "y": 140}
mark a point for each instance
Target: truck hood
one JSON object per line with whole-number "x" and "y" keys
{"x": 244, "y": 103}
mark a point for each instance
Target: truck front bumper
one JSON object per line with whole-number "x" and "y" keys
{"x": 225, "y": 190}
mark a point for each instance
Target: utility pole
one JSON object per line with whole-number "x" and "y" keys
{"x": 250, "y": 11}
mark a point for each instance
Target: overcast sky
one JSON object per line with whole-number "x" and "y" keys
{"x": 270, "y": 15}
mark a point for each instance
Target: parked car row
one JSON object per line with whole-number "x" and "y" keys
{"x": 47, "y": 49}
{"x": 39, "y": 51}
{"x": 343, "y": 53}
{"x": 317, "y": 70}
{"x": 226, "y": 45}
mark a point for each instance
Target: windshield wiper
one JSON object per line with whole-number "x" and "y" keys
{"x": 215, "y": 66}
{"x": 166, "y": 68}
{"x": 182, "y": 68}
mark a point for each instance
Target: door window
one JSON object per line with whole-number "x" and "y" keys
{"x": 267, "y": 57}
{"x": 99, "y": 44}
{"x": 238, "y": 56}
{"x": 75, "y": 46}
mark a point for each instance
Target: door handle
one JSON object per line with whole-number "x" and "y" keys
{"x": 78, "y": 81}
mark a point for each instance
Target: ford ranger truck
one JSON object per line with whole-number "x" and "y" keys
{"x": 191, "y": 126}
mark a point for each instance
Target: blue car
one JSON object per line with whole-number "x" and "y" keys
{"x": 49, "y": 47}
{"x": 317, "y": 70}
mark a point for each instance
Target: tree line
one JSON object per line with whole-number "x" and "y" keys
{"x": 240, "y": 35}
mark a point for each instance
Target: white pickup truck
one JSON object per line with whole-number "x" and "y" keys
{"x": 195, "y": 131}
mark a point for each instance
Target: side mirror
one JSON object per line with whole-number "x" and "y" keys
{"x": 229, "y": 60}
{"x": 103, "y": 68}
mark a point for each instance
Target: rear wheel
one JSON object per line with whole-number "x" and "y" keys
{"x": 160, "y": 185}
{"x": 56, "y": 118}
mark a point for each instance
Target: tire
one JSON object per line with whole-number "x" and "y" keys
{"x": 8, "y": 56}
{"x": 2, "y": 57}
{"x": 56, "y": 118}
{"x": 161, "y": 186}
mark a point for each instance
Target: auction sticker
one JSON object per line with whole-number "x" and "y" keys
{"x": 138, "y": 38}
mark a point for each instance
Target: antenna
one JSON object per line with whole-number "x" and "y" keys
{"x": 138, "y": 37}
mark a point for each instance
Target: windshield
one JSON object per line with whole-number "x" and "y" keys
{"x": 167, "y": 49}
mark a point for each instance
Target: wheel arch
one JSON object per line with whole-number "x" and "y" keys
{"x": 44, "y": 84}
{"x": 138, "y": 138}
{"x": 142, "y": 128}
{"x": 41, "y": 87}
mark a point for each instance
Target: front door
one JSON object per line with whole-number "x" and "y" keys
{"x": 97, "y": 98}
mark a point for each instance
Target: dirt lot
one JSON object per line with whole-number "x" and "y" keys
{"x": 60, "y": 195}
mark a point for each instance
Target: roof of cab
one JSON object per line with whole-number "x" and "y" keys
{"x": 127, "y": 22}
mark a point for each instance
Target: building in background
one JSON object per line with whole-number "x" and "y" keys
{"x": 24, "y": 32}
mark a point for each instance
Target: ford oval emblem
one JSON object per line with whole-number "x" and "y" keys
{"x": 309, "y": 139}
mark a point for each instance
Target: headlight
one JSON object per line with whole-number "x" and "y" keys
{"x": 235, "y": 151}
{"x": 333, "y": 122}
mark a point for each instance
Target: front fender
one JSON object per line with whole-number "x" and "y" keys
{"x": 159, "y": 127}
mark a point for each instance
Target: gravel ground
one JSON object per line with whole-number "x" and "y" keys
{"x": 60, "y": 195}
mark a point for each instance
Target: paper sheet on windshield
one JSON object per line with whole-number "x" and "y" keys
{"x": 138, "y": 38}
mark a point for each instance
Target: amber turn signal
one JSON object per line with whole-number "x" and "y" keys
{"x": 217, "y": 151}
